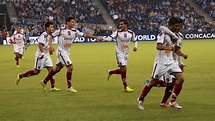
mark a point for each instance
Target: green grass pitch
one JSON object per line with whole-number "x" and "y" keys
{"x": 101, "y": 100}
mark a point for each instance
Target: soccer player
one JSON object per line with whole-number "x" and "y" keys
{"x": 66, "y": 35}
{"x": 164, "y": 62}
{"x": 168, "y": 80}
{"x": 18, "y": 41}
{"x": 123, "y": 38}
{"x": 42, "y": 56}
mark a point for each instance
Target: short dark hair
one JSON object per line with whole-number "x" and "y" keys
{"x": 47, "y": 24}
{"x": 174, "y": 20}
{"x": 69, "y": 19}
{"x": 124, "y": 21}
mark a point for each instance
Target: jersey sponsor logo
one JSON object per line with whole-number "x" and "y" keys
{"x": 124, "y": 40}
{"x": 67, "y": 45}
{"x": 125, "y": 35}
{"x": 124, "y": 46}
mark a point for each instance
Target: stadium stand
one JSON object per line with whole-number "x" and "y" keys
{"x": 208, "y": 6}
{"x": 147, "y": 16}
{"x": 144, "y": 17}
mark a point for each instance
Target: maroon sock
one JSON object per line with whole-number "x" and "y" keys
{"x": 123, "y": 76}
{"x": 69, "y": 78}
{"x": 52, "y": 80}
{"x": 117, "y": 71}
{"x": 27, "y": 74}
{"x": 176, "y": 92}
{"x": 17, "y": 60}
{"x": 49, "y": 76}
{"x": 168, "y": 92}
{"x": 159, "y": 83}
{"x": 145, "y": 91}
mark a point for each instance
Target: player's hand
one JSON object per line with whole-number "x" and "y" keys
{"x": 41, "y": 55}
{"x": 171, "y": 48}
{"x": 51, "y": 50}
{"x": 134, "y": 49}
{"x": 185, "y": 56}
{"x": 99, "y": 38}
{"x": 174, "y": 39}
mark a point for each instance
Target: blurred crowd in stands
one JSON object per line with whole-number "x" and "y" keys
{"x": 208, "y": 6}
{"x": 147, "y": 16}
{"x": 144, "y": 17}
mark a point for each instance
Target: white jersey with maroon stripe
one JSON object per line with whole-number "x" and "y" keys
{"x": 164, "y": 56}
{"x": 123, "y": 39}
{"x": 66, "y": 38}
{"x": 18, "y": 38}
{"x": 44, "y": 40}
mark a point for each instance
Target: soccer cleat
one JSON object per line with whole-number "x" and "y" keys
{"x": 140, "y": 104}
{"x": 17, "y": 66}
{"x": 128, "y": 89}
{"x": 43, "y": 85}
{"x": 175, "y": 105}
{"x": 71, "y": 89}
{"x": 55, "y": 89}
{"x": 166, "y": 104}
{"x": 17, "y": 79}
{"x": 108, "y": 73}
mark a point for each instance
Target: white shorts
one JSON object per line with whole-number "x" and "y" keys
{"x": 122, "y": 59}
{"x": 44, "y": 62}
{"x": 167, "y": 78}
{"x": 160, "y": 69}
{"x": 18, "y": 49}
{"x": 63, "y": 59}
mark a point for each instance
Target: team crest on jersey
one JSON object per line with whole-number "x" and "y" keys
{"x": 18, "y": 36}
{"x": 125, "y": 35}
{"x": 69, "y": 32}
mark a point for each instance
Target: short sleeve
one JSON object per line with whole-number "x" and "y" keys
{"x": 160, "y": 38}
{"x": 41, "y": 39}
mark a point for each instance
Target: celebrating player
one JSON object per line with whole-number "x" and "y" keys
{"x": 18, "y": 41}
{"x": 66, "y": 36}
{"x": 164, "y": 62}
{"x": 123, "y": 38}
{"x": 42, "y": 56}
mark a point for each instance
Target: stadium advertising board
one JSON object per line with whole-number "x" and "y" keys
{"x": 199, "y": 36}
{"x": 144, "y": 37}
